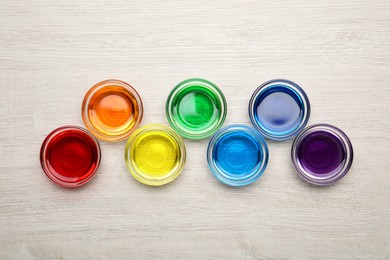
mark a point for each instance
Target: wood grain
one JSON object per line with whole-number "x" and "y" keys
{"x": 52, "y": 52}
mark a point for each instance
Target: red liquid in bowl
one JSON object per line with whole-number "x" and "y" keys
{"x": 70, "y": 156}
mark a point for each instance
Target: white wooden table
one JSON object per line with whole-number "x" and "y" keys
{"x": 52, "y": 52}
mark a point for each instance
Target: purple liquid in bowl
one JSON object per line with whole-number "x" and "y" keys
{"x": 321, "y": 153}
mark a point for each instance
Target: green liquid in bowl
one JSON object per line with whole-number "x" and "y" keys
{"x": 196, "y": 108}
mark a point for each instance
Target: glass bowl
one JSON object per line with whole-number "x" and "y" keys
{"x": 70, "y": 156}
{"x": 322, "y": 154}
{"x": 196, "y": 108}
{"x": 279, "y": 109}
{"x": 155, "y": 154}
{"x": 237, "y": 155}
{"x": 112, "y": 110}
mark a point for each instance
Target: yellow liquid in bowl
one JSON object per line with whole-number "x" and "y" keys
{"x": 155, "y": 155}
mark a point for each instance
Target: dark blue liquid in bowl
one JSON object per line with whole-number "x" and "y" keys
{"x": 279, "y": 110}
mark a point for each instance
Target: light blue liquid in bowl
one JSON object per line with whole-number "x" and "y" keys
{"x": 237, "y": 155}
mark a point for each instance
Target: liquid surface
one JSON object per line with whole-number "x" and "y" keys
{"x": 196, "y": 108}
{"x": 72, "y": 156}
{"x": 278, "y": 110}
{"x": 237, "y": 154}
{"x": 113, "y": 110}
{"x": 155, "y": 154}
{"x": 321, "y": 153}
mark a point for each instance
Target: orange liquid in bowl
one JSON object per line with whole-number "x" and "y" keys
{"x": 112, "y": 110}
